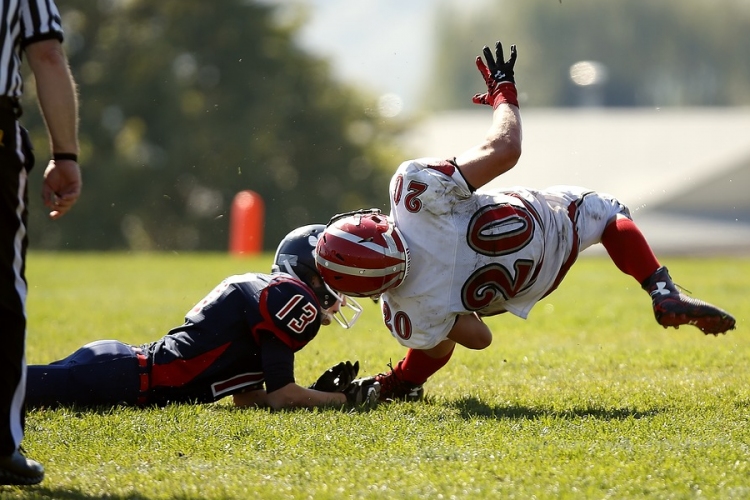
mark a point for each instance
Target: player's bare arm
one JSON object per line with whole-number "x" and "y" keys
{"x": 289, "y": 396}
{"x": 358, "y": 392}
{"x": 295, "y": 396}
{"x": 501, "y": 147}
{"x": 498, "y": 153}
{"x": 255, "y": 399}
{"x": 56, "y": 93}
{"x": 59, "y": 104}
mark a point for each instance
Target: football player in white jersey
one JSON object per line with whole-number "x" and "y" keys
{"x": 450, "y": 253}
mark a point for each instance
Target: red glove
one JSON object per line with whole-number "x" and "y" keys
{"x": 498, "y": 75}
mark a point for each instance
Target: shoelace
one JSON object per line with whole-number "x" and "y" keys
{"x": 391, "y": 381}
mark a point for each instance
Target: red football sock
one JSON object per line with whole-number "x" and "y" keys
{"x": 416, "y": 367}
{"x": 629, "y": 250}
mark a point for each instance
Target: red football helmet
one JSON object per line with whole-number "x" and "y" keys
{"x": 362, "y": 254}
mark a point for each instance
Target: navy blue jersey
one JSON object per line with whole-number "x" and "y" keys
{"x": 242, "y": 334}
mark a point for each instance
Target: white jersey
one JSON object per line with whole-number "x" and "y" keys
{"x": 485, "y": 251}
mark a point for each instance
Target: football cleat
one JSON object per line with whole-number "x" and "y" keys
{"x": 393, "y": 388}
{"x": 18, "y": 470}
{"x": 673, "y": 308}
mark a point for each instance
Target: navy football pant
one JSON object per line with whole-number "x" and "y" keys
{"x": 104, "y": 372}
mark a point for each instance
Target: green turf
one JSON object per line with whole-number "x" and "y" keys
{"x": 589, "y": 398}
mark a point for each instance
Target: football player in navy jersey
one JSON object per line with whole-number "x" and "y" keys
{"x": 239, "y": 340}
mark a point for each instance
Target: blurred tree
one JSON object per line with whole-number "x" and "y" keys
{"x": 635, "y": 53}
{"x": 186, "y": 102}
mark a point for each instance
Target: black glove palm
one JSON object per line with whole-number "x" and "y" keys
{"x": 337, "y": 378}
{"x": 495, "y": 72}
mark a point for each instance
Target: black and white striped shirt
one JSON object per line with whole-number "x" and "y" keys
{"x": 23, "y": 22}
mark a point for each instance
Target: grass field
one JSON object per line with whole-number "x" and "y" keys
{"x": 589, "y": 398}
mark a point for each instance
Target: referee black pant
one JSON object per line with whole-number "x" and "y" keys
{"x": 16, "y": 159}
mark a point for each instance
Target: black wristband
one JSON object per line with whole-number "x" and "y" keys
{"x": 65, "y": 156}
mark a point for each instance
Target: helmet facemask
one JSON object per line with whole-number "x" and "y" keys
{"x": 332, "y": 303}
{"x": 337, "y": 313}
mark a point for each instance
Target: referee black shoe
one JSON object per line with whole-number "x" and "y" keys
{"x": 18, "y": 470}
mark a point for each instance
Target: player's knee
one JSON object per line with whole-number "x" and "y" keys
{"x": 484, "y": 341}
{"x": 471, "y": 332}
{"x": 479, "y": 341}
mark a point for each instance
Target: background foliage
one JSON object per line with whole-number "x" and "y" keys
{"x": 186, "y": 102}
{"x": 666, "y": 53}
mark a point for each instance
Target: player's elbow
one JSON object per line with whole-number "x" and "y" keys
{"x": 502, "y": 155}
{"x": 515, "y": 151}
{"x": 255, "y": 399}
{"x": 44, "y": 54}
{"x": 509, "y": 151}
{"x": 282, "y": 398}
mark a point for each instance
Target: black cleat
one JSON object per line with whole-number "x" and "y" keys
{"x": 18, "y": 470}
{"x": 673, "y": 308}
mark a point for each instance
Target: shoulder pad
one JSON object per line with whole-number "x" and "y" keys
{"x": 290, "y": 311}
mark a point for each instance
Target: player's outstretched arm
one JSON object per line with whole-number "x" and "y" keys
{"x": 359, "y": 392}
{"x": 501, "y": 147}
{"x": 290, "y": 396}
{"x": 255, "y": 399}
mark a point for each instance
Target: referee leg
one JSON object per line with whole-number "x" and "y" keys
{"x": 13, "y": 243}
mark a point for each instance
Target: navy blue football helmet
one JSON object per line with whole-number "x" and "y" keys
{"x": 295, "y": 256}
